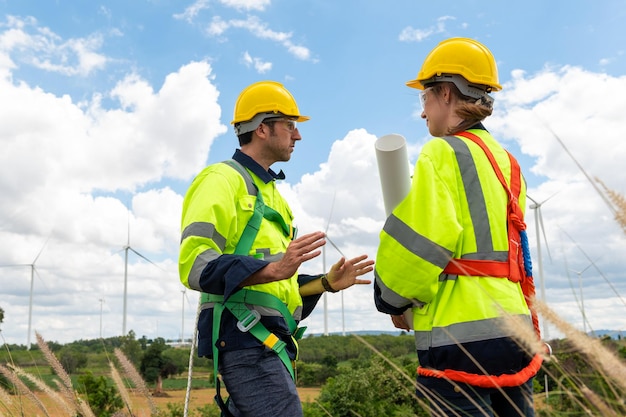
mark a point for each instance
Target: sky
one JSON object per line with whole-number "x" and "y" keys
{"x": 109, "y": 109}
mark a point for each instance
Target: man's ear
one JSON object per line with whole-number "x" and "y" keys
{"x": 262, "y": 130}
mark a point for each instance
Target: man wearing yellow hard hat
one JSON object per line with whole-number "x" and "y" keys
{"x": 454, "y": 255}
{"x": 239, "y": 248}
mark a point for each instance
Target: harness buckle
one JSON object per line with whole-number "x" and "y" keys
{"x": 248, "y": 322}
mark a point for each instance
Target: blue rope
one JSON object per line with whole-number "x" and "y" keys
{"x": 528, "y": 263}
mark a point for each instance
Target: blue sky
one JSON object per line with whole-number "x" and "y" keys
{"x": 108, "y": 109}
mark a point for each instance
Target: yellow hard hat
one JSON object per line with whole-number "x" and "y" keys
{"x": 264, "y": 99}
{"x": 459, "y": 56}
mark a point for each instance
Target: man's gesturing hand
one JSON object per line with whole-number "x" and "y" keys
{"x": 300, "y": 250}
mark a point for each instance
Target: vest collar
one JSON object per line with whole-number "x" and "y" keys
{"x": 252, "y": 165}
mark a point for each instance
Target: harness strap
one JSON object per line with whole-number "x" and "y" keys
{"x": 517, "y": 269}
{"x": 487, "y": 381}
{"x": 244, "y": 296}
{"x": 519, "y": 262}
{"x": 249, "y": 320}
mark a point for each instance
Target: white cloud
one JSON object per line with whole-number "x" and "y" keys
{"x": 259, "y": 65}
{"x": 259, "y": 5}
{"x": 410, "y": 34}
{"x": 62, "y": 161}
{"x": 42, "y": 48}
{"x": 58, "y": 157}
{"x": 192, "y": 11}
{"x": 259, "y": 29}
{"x": 195, "y": 8}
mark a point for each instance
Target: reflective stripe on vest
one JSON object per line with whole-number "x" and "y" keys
{"x": 467, "y": 332}
{"x": 516, "y": 268}
{"x": 512, "y": 269}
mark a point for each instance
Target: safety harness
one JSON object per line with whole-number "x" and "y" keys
{"x": 238, "y": 302}
{"x": 518, "y": 269}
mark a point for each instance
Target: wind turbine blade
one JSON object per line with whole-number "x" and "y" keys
{"x": 592, "y": 263}
{"x": 127, "y": 226}
{"x": 543, "y": 230}
{"x": 571, "y": 285}
{"x": 41, "y": 280}
{"x": 335, "y": 246}
{"x": 610, "y": 284}
{"x": 41, "y": 250}
{"x": 330, "y": 215}
{"x": 187, "y": 297}
{"x": 541, "y": 204}
{"x": 144, "y": 258}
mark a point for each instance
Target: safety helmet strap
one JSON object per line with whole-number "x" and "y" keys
{"x": 466, "y": 88}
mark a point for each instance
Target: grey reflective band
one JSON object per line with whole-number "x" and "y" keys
{"x": 199, "y": 264}
{"x": 474, "y": 194}
{"x": 416, "y": 243}
{"x": 205, "y": 230}
{"x": 393, "y": 298}
{"x": 252, "y": 124}
{"x": 466, "y": 332}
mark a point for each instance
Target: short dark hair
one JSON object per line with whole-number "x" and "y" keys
{"x": 246, "y": 138}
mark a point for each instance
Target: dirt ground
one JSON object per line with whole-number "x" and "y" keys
{"x": 201, "y": 397}
{"x": 25, "y": 406}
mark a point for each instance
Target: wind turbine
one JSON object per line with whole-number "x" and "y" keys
{"x": 539, "y": 222}
{"x": 343, "y": 327}
{"x": 32, "y": 286}
{"x": 182, "y": 331}
{"x": 332, "y": 206}
{"x": 101, "y": 300}
{"x": 126, "y": 249}
{"x": 580, "y": 290}
{"x": 593, "y": 263}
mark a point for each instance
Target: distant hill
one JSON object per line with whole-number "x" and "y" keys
{"x": 361, "y": 333}
{"x": 614, "y": 334}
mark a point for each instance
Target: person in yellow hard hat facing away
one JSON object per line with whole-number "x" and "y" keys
{"x": 453, "y": 261}
{"x": 239, "y": 248}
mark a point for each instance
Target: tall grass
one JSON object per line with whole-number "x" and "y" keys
{"x": 584, "y": 396}
{"x": 67, "y": 400}
{"x": 601, "y": 392}
{"x": 620, "y": 204}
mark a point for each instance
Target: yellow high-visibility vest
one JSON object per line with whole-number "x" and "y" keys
{"x": 456, "y": 208}
{"x": 216, "y": 210}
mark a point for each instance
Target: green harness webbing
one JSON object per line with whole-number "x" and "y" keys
{"x": 249, "y": 319}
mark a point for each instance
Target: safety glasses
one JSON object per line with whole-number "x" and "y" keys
{"x": 289, "y": 124}
{"x": 423, "y": 96}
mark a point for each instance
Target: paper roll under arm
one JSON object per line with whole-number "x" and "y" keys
{"x": 395, "y": 178}
{"x": 393, "y": 168}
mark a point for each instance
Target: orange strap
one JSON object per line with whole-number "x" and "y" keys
{"x": 514, "y": 268}
{"x": 478, "y": 268}
{"x": 487, "y": 381}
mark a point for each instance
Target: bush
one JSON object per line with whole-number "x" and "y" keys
{"x": 101, "y": 396}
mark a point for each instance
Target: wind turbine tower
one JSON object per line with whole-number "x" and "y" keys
{"x": 539, "y": 222}
{"x": 126, "y": 249}
{"x": 580, "y": 290}
{"x": 32, "y": 287}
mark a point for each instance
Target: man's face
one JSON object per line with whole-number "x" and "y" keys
{"x": 283, "y": 136}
